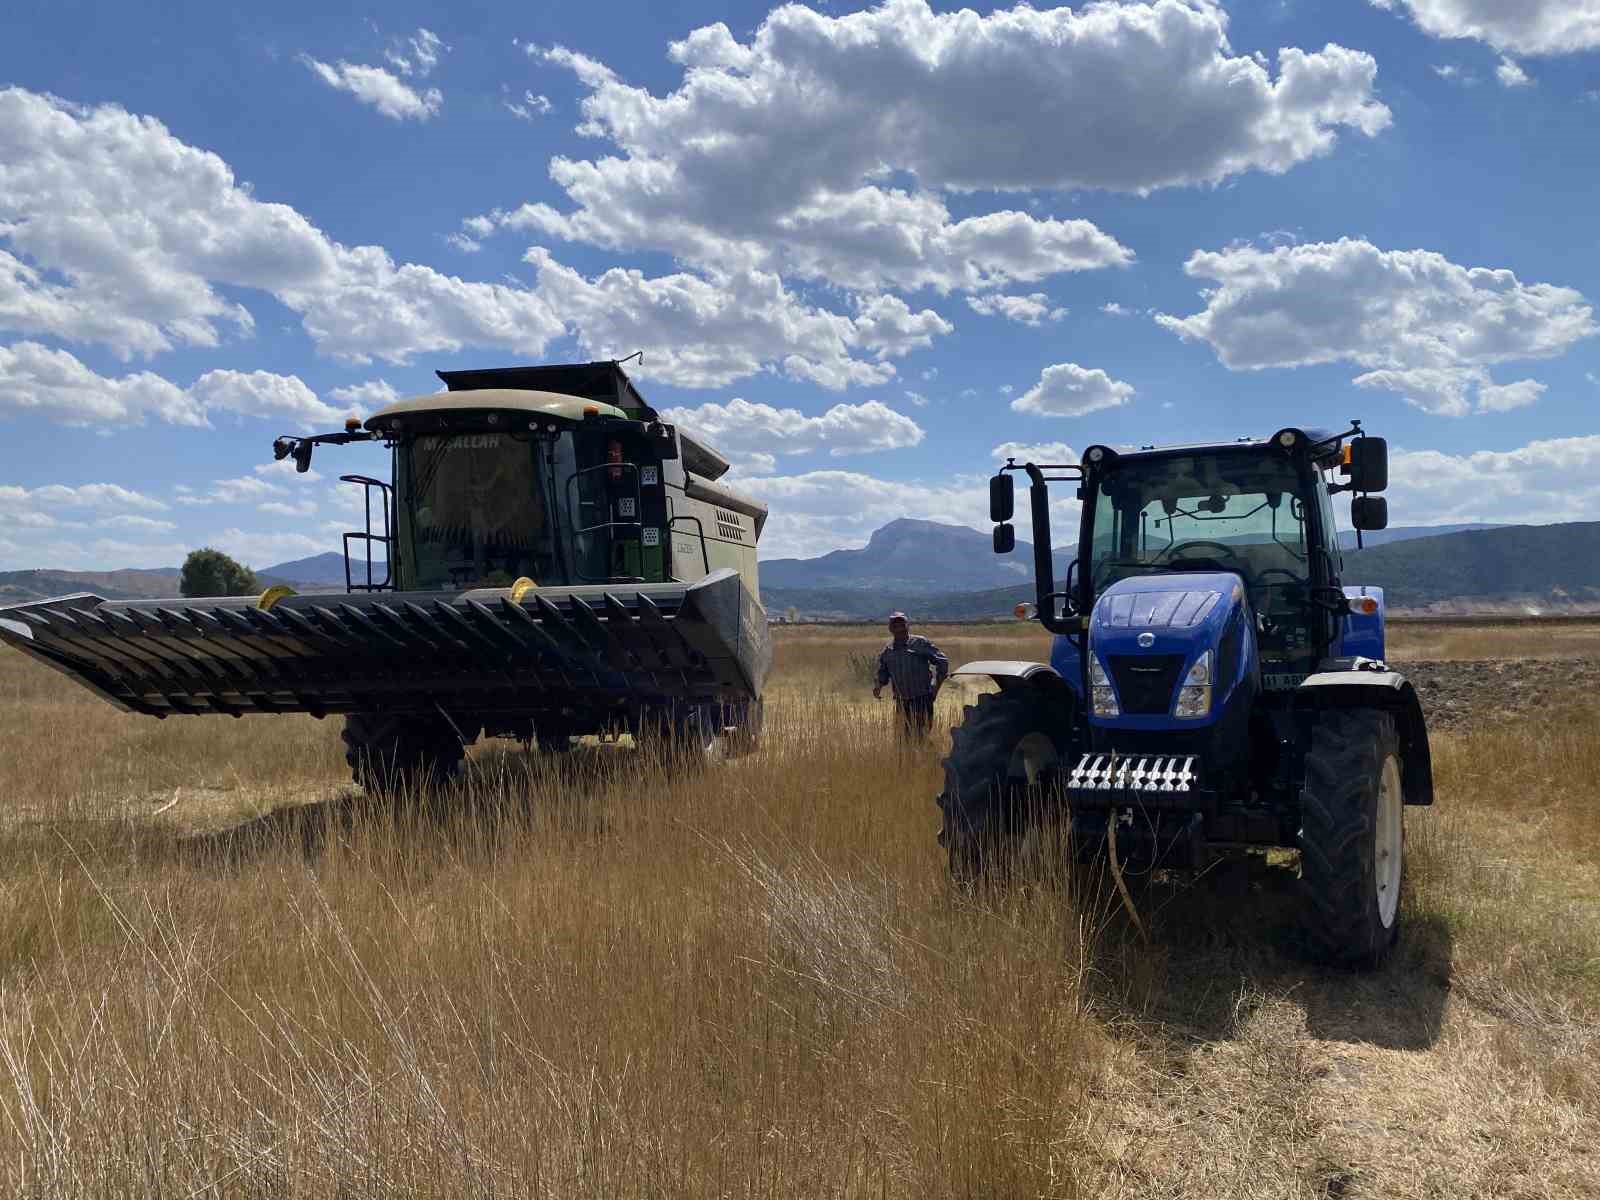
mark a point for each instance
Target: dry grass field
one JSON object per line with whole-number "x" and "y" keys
{"x": 224, "y": 973}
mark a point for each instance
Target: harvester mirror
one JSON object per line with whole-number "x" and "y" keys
{"x": 666, "y": 439}
{"x": 1369, "y": 465}
{"x": 1002, "y": 503}
{"x": 1005, "y": 538}
{"x": 1369, "y": 512}
{"x": 302, "y": 455}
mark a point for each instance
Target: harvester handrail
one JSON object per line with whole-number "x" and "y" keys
{"x": 367, "y": 537}
{"x": 705, "y": 557}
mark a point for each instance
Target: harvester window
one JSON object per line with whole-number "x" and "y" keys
{"x": 474, "y": 513}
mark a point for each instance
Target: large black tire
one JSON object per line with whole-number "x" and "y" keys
{"x": 1352, "y": 837}
{"x": 390, "y": 754}
{"x": 685, "y": 735}
{"x": 1005, "y": 760}
{"x": 741, "y": 728}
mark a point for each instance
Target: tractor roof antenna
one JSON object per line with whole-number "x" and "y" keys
{"x": 639, "y": 354}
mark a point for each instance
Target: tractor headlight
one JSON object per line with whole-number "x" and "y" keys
{"x": 1194, "y": 697}
{"x": 1104, "y": 703}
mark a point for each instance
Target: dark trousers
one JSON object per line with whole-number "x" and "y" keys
{"x": 916, "y": 715}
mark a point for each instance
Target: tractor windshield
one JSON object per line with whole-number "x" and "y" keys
{"x": 1239, "y": 511}
{"x": 473, "y": 511}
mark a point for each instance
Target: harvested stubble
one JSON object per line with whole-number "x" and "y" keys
{"x": 224, "y": 973}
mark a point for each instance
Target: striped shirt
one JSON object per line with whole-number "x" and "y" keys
{"x": 912, "y": 667}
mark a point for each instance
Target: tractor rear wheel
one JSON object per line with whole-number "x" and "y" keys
{"x": 389, "y": 754}
{"x": 1005, "y": 756}
{"x": 1352, "y": 837}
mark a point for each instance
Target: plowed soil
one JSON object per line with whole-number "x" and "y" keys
{"x": 1460, "y": 694}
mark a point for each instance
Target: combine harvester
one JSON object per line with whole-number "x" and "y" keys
{"x": 1214, "y": 687}
{"x": 556, "y": 561}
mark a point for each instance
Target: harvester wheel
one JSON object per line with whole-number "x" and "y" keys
{"x": 389, "y": 754}
{"x": 1004, "y": 758}
{"x": 682, "y": 733}
{"x": 741, "y": 728}
{"x": 1352, "y": 837}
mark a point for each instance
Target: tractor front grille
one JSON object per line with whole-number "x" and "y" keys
{"x": 1145, "y": 681}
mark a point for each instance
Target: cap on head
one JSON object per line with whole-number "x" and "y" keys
{"x": 898, "y": 616}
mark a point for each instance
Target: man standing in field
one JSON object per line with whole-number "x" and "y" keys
{"x": 917, "y": 669}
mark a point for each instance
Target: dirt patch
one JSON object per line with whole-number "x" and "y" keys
{"x": 1457, "y": 695}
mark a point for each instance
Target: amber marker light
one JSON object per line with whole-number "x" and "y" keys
{"x": 351, "y": 424}
{"x": 1366, "y": 606}
{"x": 1022, "y": 611}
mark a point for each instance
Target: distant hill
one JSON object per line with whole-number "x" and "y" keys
{"x": 1555, "y": 566}
{"x": 1484, "y": 569}
{"x": 912, "y": 557}
{"x": 319, "y": 568}
{"x": 1404, "y": 533}
{"x": 321, "y": 573}
{"x": 18, "y": 587}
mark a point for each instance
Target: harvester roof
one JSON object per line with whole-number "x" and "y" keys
{"x": 553, "y": 404}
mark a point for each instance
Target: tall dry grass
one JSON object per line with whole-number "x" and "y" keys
{"x": 223, "y": 972}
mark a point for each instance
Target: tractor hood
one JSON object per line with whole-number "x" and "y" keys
{"x": 1148, "y": 631}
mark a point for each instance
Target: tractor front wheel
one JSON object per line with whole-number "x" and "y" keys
{"x": 1005, "y": 757}
{"x": 1352, "y": 837}
{"x": 399, "y": 754}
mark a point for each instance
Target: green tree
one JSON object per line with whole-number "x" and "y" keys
{"x": 208, "y": 572}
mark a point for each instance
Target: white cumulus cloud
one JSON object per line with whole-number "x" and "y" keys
{"x": 1036, "y": 452}
{"x": 1068, "y": 390}
{"x": 530, "y": 107}
{"x": 1535, "y": 27}
{"x": 1557, "y": 479}
{"x": 1420, "y": 324}
{"x": 374, "y": 86}
{"x": 697, "y": 332}
{"x": 55, "y": 384}
{"x": 741, "y": 428}
{"x": 1027, "y": 310}
{"x": 1511, "y": 75}
{"x": 823, "y": 147}
{"x": 113, "y": 231}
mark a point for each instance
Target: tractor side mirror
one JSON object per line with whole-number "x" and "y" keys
{"x": 1005, "y": 538}
{"x": 302, "y": 455}
{"x": 1002, "y": 500}
{"x": 1369, "y": 465}
{"x": 1369, "y": 512}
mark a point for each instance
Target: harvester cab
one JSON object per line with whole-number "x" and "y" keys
{"x": 551, "y": 560}
{"x": 1215, "y": 685}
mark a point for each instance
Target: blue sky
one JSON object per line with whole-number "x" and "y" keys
{"x": 865, "y": 249}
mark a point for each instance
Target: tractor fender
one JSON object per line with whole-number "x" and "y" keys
{"x": 1009, "y": 673}
{"x": 1368, "y": 684}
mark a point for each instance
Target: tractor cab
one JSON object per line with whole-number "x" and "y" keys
{"x": 1261, "y": 512}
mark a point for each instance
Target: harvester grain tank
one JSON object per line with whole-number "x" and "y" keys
{"x": 1215, "y": 686}
{"x": 550, "y": 560}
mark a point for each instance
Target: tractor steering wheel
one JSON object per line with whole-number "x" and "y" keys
{"x": 1227, "y": 550}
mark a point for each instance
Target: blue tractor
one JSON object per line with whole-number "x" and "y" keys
{"x": 1214, "y": 687}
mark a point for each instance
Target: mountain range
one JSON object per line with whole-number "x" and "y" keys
{"x": 1445, "y": 569}
{"x": 950, "y": 572}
